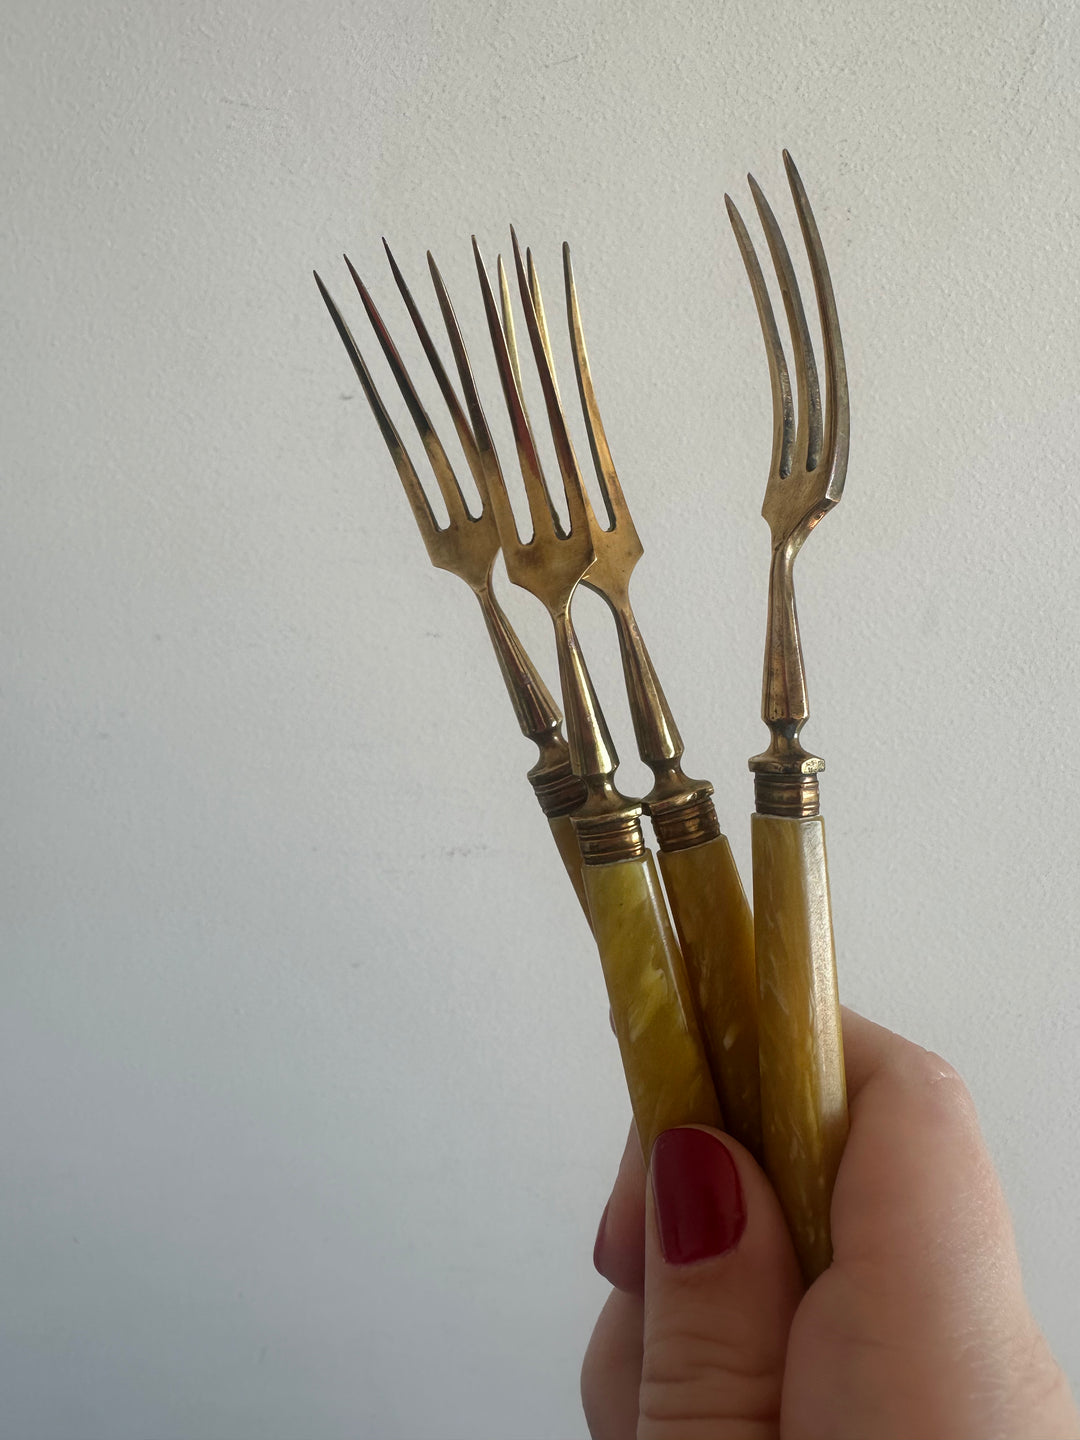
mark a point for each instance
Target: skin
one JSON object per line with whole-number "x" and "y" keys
{"x": 919, "y": 1330}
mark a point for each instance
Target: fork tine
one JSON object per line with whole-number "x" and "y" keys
{"x": 618, "y": 512}
{"x": 837, "y": 419}
{"x": 544, "y": 519}
{"x": 808, "y": 433}
{"x": 410, "y": 481}
{"x": 783, "y": 410}
{"x": 506, "y": 310}
{"x": 449, "y": 394}
{"x": 490, "y": 475}
{"x": 577, "y": 501}
{"x": 440, "y": 463}
{"x": 541, "y": 317}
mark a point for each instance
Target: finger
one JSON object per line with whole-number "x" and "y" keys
{"x": 916, "y": 1166}
{"x": 721, "y": 1287}
{"x": 611, "y": 1374}
{"x": 924, "y": 1264}
{"x": 867, "y": 1049}
{"x": 619, "y": 1252}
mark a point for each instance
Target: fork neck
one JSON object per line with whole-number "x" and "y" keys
{"x": 680, "y": 808}
{"x": 557, "y": 788}
{"x": 607, "y": 823}
{"x": 785, "y": 775}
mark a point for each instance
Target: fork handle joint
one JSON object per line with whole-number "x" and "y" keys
{"x": 785, "y": 773}
{"x": 537, "y": 714}
{"x": 592, "y": 752}
{"x": 657, "y": 735}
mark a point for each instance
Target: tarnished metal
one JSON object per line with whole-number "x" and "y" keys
{"x": 468, "y": 544}
{"x": 806, "y": 479}
{"x": 782, "y": 794}
{"x": 707, "y": 900}
{"x": 680, "y": 807}
{"x": 551, "y": 565}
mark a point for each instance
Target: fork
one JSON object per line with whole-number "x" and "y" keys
{"x": 803, "y": 1091}
{"x": 708, "y": 903}
{"x": 653, "y": 1012}
{"x": 467, "y": 547}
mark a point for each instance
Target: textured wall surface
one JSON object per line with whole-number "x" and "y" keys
{"x": 309, "y": 1103}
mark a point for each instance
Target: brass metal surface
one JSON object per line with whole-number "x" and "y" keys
{"x": 680, "y": 808}
{"x": 652, "y": 1002}
{"x": 468, "y": 544}
{"x": 806, "y": 479}
{"x": 707, "y": 900}
{"x": 708, "y": 903}
{"x": 551, "y": 564}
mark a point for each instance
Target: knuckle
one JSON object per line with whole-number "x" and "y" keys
{"x": 1043, "y": 1384}
{"x": 697, "y": 1382}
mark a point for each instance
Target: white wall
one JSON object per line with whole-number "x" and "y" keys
{"x": 309, "y": 1101}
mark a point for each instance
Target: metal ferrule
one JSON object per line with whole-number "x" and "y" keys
{"x": 788, "y": 796}
{"x": 607, "y": 839}
{"x": 557, "y": 788}
{"x": 686, "y": 821}
{"x": 679, "y": 807}
{"x": 607, "y": 822}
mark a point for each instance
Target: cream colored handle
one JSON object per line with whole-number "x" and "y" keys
{"x": 716, "y": 932}
{"x": 565, "y": 836}
{"x": 663, "y": 1054}
{"x": 803, "y": 1090}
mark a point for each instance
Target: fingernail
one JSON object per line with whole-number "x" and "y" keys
{"x": 598, "y": 1244}
{"x": 700, "y": 1208}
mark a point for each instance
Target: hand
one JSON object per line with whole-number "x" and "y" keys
{"x": 919, "y": 1330}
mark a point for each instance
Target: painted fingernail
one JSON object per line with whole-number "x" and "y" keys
{"x": 599, "y": 1242}
{"x": 700, "y": 1207}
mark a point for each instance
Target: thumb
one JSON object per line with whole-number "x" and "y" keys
{"x": 721, "y": 1287}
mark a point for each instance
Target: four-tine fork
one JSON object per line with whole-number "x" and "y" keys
{"x": 467, "y": 546}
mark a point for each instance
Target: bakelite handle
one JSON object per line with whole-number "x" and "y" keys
{"x": 663, "y": 1054}
{"x": 803, "y": 1090}
{"x": 716, "y": 932}
{"x": 565, "y": 837}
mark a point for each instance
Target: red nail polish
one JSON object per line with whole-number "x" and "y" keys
{"x": 700, "y": 1208}
{"x": 598, "y": 1243}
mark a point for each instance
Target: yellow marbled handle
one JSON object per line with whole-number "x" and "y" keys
{"x": 565, "y": 836}
{"x": 663, "y": 1054}
{"x": 803, "y": 1091}
{"x": 716, "y": 932}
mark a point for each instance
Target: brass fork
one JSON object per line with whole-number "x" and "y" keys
{"x": 467, "y": 547}
{"x": 659, "y": 1039}
{"x": 708, "y": 903}
{"x": 804, "y": 1099}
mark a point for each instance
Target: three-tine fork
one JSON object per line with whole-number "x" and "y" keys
{"x": 803, "y": 1091}
{"x": 708, "y": 903}
{"x": 653, "y": 1011}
